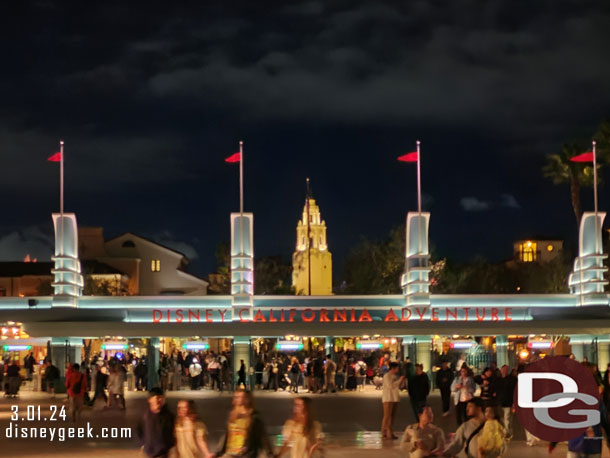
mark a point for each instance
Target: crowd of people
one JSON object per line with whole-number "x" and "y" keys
{"x": 482, "y": 404}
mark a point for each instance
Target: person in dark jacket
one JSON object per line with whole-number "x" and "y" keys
{"x": 444, "y": 377}
{"x": 13, "y": 379}
{"x": 505, "y": 390}
{"x": 241, "y": 374}
{"x": 156, "y": 427}
{"x": 419, "y": 388}
{"x": 245, "y": 436}
{"x": 488, "y": 387}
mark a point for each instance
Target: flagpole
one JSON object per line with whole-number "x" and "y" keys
{"x": 418, "y": 179}
{"x": 61, "y": 196}
{"x": 419, "y": 232}
{"x": 61, "y": 178}
{"x": 241, "y": 197}
{"x": 595, "y": 196}
{"x": 308, "y": 243}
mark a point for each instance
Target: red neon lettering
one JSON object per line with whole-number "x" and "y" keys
{"x": 365, "y": 316}
{"x": 466, "y": 311}
{"x": 282, "y": 316}
{"x": 272, "y": 319}
{"x": 508, "y": 314}
{"x": 193, "y": 315}
{"x": 405, "y": 316}
{"x": 155, "y": 318}
{"x": 168, "y": 314}
{"x": 324, "y": 315}
{"x": 391, "y": 316}
{"x": 179, "y": 316}
{"x": 208, "y": 316}
{"x": 453, "y": 314}
{"x": 259, "y": 317}
{"x": 494, "y": 314}
{"x": 480, "y": 318}
{"x": 291, "y": 315}
{"x": 434, "y": 314}
{"x": 242, "y": 319}
{"x": 339, "y": 315}
{"x": 310, "y": 318}
{"x": 421, "y": 314}
{"x": 353, "y": 316}
{"x": 222, "y": 315}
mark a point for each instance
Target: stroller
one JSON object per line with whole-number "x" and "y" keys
{"x": 11, "y": 387}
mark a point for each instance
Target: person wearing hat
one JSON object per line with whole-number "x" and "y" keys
{"x": 156, "y": 427}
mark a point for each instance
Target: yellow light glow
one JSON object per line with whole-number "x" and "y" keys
{"x": 523, "y": 354}
{"x": 529, "y": 244}
{"x": 550, "y": 247}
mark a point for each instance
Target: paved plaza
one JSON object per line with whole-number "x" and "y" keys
{"x": 351, "y": 423}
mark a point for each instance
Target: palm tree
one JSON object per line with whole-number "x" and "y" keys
{"x": 561, "y": 170}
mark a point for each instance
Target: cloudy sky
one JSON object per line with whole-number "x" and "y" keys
{"x": 151, "y": 99}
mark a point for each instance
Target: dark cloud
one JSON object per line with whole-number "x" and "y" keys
{"x": 149, "y": 100}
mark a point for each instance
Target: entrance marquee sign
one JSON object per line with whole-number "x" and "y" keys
{"x": 328, "y": 315}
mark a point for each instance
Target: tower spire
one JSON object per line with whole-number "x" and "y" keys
{"x": 308, "y": 194}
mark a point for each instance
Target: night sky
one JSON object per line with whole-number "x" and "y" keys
{"x": 150, "y": 100}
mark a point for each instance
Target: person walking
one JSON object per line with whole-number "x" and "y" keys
{"x": 116, "y": 386}
{"x": 330, "y": 369}
{"x": 505, "y": 390}
{"x": 390, "y": 397}
{"x": 295, "y": 373}
{"x": 419, "y": 388}
{"x": 487, "y": 382}
{"x": 245, "y": 435}
{"x": 301, "y": 434}
{"x": 360, "y": 374}
{"x": 214, "y": 370}
{"x": 51, "y": 375}
{"x": 465, "y": 439}
{"x": 190, "y": 432}
{"x": 492, "y": 438}
{"x": 13, "y": 379}
{"x": 444, "y": 377}
{"x": 423, "y": 439}
{"x": 463, "y": 388}
{"x": 76, "y": 386}
{"x": 241, "y": 375}
{"x": 155, "y": 430}
{"x": 101, "y": 379}
{"x": 195, "y": 373}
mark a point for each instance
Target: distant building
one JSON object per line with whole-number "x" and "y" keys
{"x": 153, "y": 269}
{"x": 311, "y": 247}
{"x": 34, "y": 278}
{"x": 537, "y": 249}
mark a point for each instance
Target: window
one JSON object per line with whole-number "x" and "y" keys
{"x": 128, "y": 244}
{"x": 527, "y": 251}
{"x": 155, "y": 265}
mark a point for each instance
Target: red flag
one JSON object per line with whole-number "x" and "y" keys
{"x": 234, "y": 158}
{"x": 409, "y": 157}
{"x": 55, "y": 157}
{"x": 584, "y": 157}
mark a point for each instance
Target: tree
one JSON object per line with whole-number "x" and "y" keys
{"x": 272, "y": 276}
{"x": 375, "y": 267}
{"x": 561, "y": 170}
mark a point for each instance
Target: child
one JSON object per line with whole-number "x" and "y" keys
{"x": 492, "y": 437}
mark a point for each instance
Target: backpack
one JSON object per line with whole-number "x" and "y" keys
{"x": 78, "y": 385}
{"x": 362, "y": 371}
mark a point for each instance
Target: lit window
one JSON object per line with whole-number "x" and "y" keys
{"x": 155, "y": 265}
{"x": 527, "y": 251}
{"x": 550, "y": 247}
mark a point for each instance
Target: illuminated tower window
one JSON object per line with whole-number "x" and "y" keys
{"x": 155, "y": 265}
{"x": 527, "y": 251}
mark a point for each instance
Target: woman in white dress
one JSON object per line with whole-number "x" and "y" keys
{"x": 301, "y": 434}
